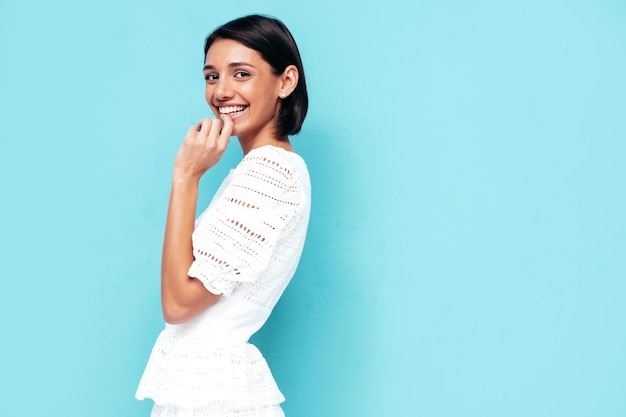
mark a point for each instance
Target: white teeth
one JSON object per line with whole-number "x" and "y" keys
{"x": 231, "y": 109}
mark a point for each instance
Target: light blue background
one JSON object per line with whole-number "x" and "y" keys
{"x": 466, "y": 254}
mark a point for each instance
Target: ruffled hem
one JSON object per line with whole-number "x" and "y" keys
{"x": 193, "y": 372}
{"x": 217, "y": 410}
{"x": 213, "y": 283}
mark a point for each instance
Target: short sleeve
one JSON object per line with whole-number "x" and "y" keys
{"x": 235, "y": 239}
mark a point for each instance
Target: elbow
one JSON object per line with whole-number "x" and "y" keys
{"x": 175, "y": 313}
{"x": 185, "y": 300}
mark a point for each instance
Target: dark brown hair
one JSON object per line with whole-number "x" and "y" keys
{"x": 273, "y": 41}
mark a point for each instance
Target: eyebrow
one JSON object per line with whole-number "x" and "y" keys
{"x": 231, "y": 65}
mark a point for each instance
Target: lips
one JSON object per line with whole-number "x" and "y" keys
{"x": 231, "y": 110}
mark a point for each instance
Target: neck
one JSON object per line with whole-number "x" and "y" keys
{"x": 248, "y": 145}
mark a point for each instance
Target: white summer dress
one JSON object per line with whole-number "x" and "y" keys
{"x": 246, "y": 246}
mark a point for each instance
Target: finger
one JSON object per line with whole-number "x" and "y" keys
{"x": 214, "y": 132}
{"x": 191, "y": 132}
{"x": 227, "y": 129}
{"x": 205, "y": 125}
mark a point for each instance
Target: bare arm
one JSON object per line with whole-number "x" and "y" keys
{"x": 184, "y": 297}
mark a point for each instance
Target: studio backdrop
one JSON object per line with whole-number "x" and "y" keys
{"x": 466, "y": 254}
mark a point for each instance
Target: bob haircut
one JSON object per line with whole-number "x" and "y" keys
{"x": 273, "y": 41}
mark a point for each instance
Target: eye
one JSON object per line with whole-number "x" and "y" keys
{"x": 242, "y": 74}
{"x": 210, "y": 77}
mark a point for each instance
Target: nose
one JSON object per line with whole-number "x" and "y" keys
{"x": 223, "y": 89}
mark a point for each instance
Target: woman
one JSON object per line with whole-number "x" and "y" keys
{"x": 222, "y": 275}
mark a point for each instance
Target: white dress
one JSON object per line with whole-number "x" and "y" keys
{"x": 246, "y": 246}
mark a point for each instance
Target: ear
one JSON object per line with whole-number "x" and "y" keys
{"x": 288, "y": 81}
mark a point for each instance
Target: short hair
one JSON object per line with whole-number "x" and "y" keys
{"x": 273, "y": 41}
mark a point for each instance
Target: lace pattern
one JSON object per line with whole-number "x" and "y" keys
{"x": 254, "y": 227}
{"x": 217, "y": 410}
{"x": 195, "y": 372}
{"x": 246, "y": 245}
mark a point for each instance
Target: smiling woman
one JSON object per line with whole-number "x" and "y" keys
{"x": 241, "y": 84}
{"x": 223, "y": 273}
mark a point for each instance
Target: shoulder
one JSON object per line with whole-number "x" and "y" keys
{"x": 275, "y": 159}
{"x": 273, "y": 167}
{"x": 270, "y": 178}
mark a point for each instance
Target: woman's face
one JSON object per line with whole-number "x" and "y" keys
{"x": 241, "y": 84}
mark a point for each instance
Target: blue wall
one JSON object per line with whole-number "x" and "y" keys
{"x": 466, "y": 254}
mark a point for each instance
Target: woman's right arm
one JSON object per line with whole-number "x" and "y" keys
{"x": 183, "y": 297}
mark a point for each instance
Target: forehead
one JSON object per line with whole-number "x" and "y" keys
{"x": 226, "y": 51}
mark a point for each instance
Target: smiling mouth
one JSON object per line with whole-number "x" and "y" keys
{"x": 232, "y": 110}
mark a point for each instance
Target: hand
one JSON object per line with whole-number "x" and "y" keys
{"x": 202, "y": 147}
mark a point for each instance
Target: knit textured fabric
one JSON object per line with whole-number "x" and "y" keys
{"x": 246, "y": 245}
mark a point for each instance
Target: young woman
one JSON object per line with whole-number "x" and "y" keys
{"x": 223, "y": 273}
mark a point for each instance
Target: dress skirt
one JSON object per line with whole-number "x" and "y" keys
{"x": 212, "y": 411}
